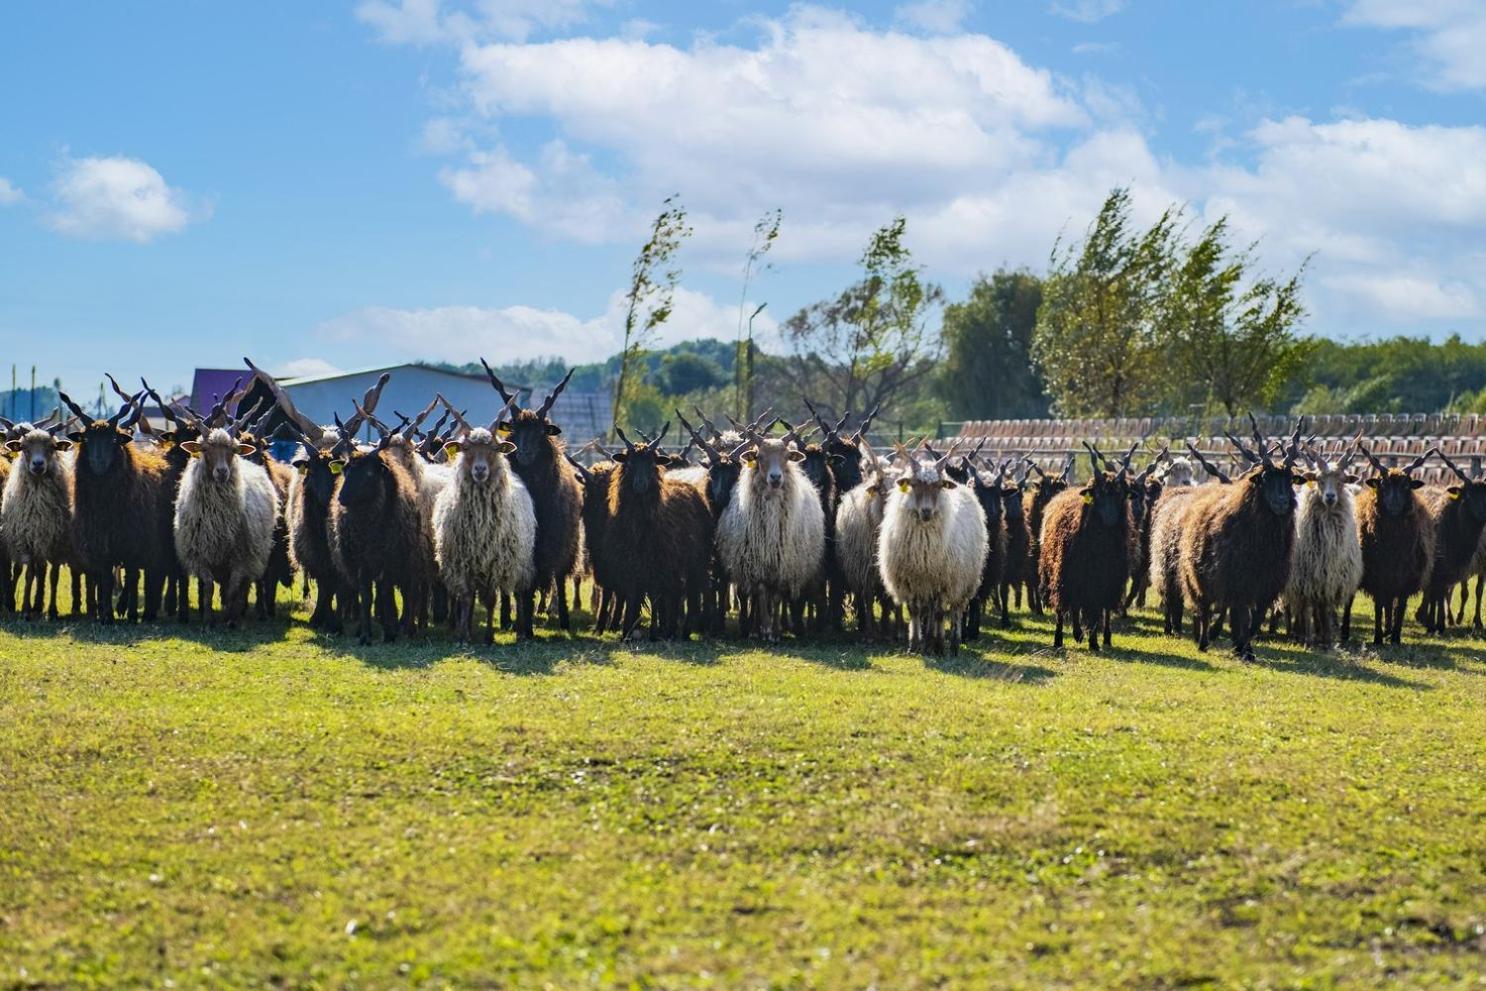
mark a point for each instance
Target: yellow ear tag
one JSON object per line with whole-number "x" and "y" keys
{"x": 1310, "y": 483}
{"x": 195, "y": 454}
{"x": 503, "y": 429}
{"x": 1454, "y": 495}
{"x": 335, "y": 467}
{"x": 902, "y": 486}
{"x": 1088, "y": 498}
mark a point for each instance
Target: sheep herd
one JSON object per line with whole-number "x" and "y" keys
{"x": 742, "y": 530}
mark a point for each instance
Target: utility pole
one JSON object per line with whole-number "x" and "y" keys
{"x": 33, "y": 394}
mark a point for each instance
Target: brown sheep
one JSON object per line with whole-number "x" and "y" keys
{"x": 1397, "y": 538}
{"x": 1084, "y": 552}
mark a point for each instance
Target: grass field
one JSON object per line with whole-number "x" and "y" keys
{"x": 272, "y": 807}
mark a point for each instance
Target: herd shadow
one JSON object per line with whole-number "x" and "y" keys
{"x": 1000, "y": 655}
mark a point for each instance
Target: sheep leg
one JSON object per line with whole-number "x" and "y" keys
{"x": 53, "y": 613}
{"x": 525, "y": 605}
{"x": 562, "y": 607}
{"x": 204, "y": 599}
{"x": 1078, "y": 625}
{"x": 1480, "y": 581}
{"x": 1093, "y": 623}
{"x": 797, "y": 616}
{"x": 631, "y": 616}
{"x": 1396, "y": 636}
{"x": 1200, "y": 623}
{"x": 1005, "y": 608}
{"x": 154, "y": 587}
{"x": 1058, "y": 631}
{"x": 1465, "y": 595}
{"x": 364, "y": 591}
{"x": 972, "y": 619}
{"x": 505, "y": 612}
{"x": 387, "y": 611}
{"x": 1107, "y": 643}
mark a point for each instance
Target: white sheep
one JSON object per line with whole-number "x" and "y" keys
{"x": 1326, "y": 562}
{"x": 771, "y": 537}
{"x": 36, "y": 515}
{"x": 931, "y": 550}
{"x": 858, "y": 520}
{"x": 225, "y": 512}
{"x": 484, "y": 528}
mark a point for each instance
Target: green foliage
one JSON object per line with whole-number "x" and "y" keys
{"x": 1229, "y": 336}
{"x": 1097, "y": 341}
{"x": 686, "y": 372}
{"x": 874, "y": 343}
{"x": 988, "y": 372}
{"x": 651, "y": 293}
{"x": 1394, "y": 375}
{"x": 269, "y": 807}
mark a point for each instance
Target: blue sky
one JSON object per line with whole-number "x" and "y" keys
{"x": 346, "y": 184}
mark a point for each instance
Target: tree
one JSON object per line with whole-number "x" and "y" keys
{"x": 651, "y": 293}
{"x": 765, "y": 232}
{"x": 988, "y": 371}
{"x": 873, "y": 342}
{"x": 687, "y": 371}
{"x": 1230, "y": 337}
{"x": 1096, "y": 342}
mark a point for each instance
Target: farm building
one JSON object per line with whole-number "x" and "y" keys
{"x": 582, "y": 415}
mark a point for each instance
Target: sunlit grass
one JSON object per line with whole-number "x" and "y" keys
{"x": 271, "y": 806}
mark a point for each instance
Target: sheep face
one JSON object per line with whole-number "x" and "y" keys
{"x": 531, "y": 434}
{"x": 767, "y": 459}
{"x": 1179, "y": 473}
{"x": 1395, "y": 491}
{"x": 363, "y": 477}
{"x": 319, "y": 477}
{"x": 920, "y": 487}
{"x": 722, "y": 478}
{"x": 219, "y": 451}
{"x": 37, "y": 451}
{"x": 1105, "y": 496}
{"x": 1473, "y": 494}
{"x": 817, "y": 465}
{"x": 1329, "y": 484}
{"x": 479, "y": 452}
{"x": 988, "y": 494}
{"x": 640, "y": 469}
{"x": 846, "y": 463}
{"x": 1011, "y": 501}
{"x": 100, "y": 445}
{"x": 1276, "y": 484}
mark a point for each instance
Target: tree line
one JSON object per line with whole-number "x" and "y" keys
{"x": 1127, "y": 320}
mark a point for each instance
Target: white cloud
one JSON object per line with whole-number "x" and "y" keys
{"x": 306, "y": 367}
{"x": 824, "y": 117}
{"x": 1407, "y": 297}
{"x": 9, "y": 192}
{"x": 1087, "y": 11}
{"x": 1450, "y": 35}
{"x": 117, "y": 198}
{"x": 515, "y": 333}
{"x": 934, "y": 16}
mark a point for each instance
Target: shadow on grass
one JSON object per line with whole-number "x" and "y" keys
{"x": 968, "y": 664}
{"x": 1299, "y": 660}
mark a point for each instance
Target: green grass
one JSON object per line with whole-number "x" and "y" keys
{"x": 273, "y": 807}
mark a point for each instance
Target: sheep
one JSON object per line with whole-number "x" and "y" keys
{"x": 36, "y": 515}
{"x": 723, "y": 472}
{"x": 596, "y": 480}
{"x": 1396, "y": 535}
{"x": 1178, "y": 474}
{"x": 1167, "y": 523}
{"x": 931, "y": 551}
{"x": 1085, "y": 551}
{"x": 1236, "y": 543}
{"x": 1326, "y": 563}
{"x": 311, "y": 492}
{"x": 1042, "y": 492}
{"x": 1458, "y": 515}
{"x": 987, "y": 491}
{"x": 380, "y": 537}
{"x": 1021, "y": 566}
{"x": 817, "y": 468}
{"x": 844, "y": 460}
{"x": 659, "y": 537}
{"x": 122, "y": 512}
{"x": 226, "y": 510}
{"x": 485, "y": 530}
{"x": 771, "y": 536}
{"x": 555, "y": 494}
{"x": 858, "y": 521}
{"x": 1145, "y": 491}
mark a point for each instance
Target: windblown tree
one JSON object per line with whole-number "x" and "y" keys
{"x": 1230, "y": 335}
{"x": 988, "y": 371}
{"x": 875, "y": 341}
{"x": 1097, "y": 342}
{"x": 765, "y": 233}
{"x": 651, "y": 295}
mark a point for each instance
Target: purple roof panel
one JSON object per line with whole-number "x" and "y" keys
{"x": 213, "y": 382}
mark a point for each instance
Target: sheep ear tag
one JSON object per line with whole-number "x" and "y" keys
{"x": 303, "y": 467}
{"x": 336, "y": 466}
{"x": 504, "y": 429}
{"x": 903, "y": 486}
{"x": 1454, "y": 492}
{"x": 452, "y": 449}
{"x": 1088, "y": 498}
